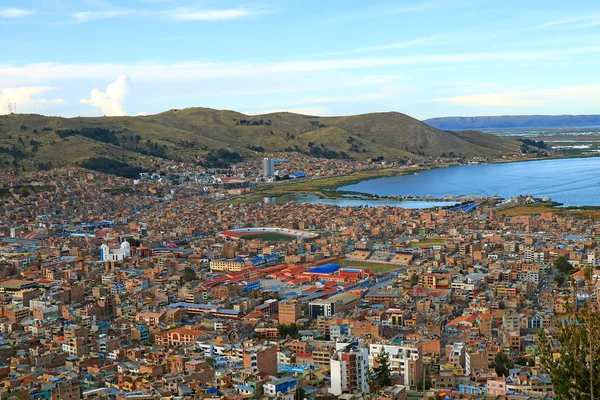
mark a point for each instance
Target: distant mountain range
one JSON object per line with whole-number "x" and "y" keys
{"x": 190, "y": 134}
{"x": 515, "y": 121}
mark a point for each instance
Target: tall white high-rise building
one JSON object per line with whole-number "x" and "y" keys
{"x": 406, "y": 359}
{"x": 268, "y": 167}
{"x": 349, "y": 368}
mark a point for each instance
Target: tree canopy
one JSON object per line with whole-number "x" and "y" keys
{"x": 288, "y": 330}
{"x": 188, "y": 274}
{"x": 383, "y": 375}
{"x": 113, "y": 167}
{"x": 573, "y": 359}
{"x": 564, "y": 268}
{"x": 563, "y": 265}
{"x": 502, "y": 364}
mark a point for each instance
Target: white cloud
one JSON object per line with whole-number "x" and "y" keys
{"x": 338, "y": 99}
{"x": 141, "y": 114}
{"x": 574, "y": 21}
{"x": 87, "y": 16}
{"x": 181, "y": 72}
{"x": 421, "y": 41}
{"x": 313, "y": 105}
{"x": 12, "y": 12}
{"x": 111, "y": 102}
{"x": 592, "y": 23}
{"x": 175, "y": 14}
{"x": 25, "y": 96}
{"x": 187, "y": 14}
{"x": 396, "y": 8}
{"x": 493, "y": 99}
{"x": 161, "y": 72}
{"x": 581, "y": 94}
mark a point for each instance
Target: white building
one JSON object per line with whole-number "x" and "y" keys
{"x": 511, "y": 321}
{"x": 529, "y": 276}
{"x": 349, "y": 370}
{"x": 404, "y": 359}
{"x": 539, "y": 256}
{"x": 591, "y": 258}
{"x": 108, "y": 254}
{"x": 281, "y": 387}
{"x": 268, "y": 167}
{"x": 528, "y": 255}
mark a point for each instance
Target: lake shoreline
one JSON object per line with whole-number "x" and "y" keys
{"x": 330, "y": 188}
{"x": 300, "y": 198}
{"x": 574, "y": 181}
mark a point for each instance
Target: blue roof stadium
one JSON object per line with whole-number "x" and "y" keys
{"x": 324, "y": 269}
{"x": 228, "y": 311}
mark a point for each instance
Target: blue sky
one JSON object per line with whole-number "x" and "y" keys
{"x": 424, "y": 58}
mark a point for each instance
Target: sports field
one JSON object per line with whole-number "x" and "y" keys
{"x": 375, "y": 268}
{"x": 268, "y": 237}
{"x": 430, "y": 242}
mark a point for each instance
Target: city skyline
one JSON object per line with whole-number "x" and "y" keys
{"x": 425, "y": 59}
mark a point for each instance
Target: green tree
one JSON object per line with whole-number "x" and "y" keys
{"x": 211, "y": 363}
{"x": 502, "y": 364}
{"x": 560, "y": 279}
{"x": 134, "y": 242}
{"x": 383, "y": 375}
{"x": 17, "y": 395}
{"x": 288, "y": 330}
{"x": 562, "y": 265}
{"x": 523, "y": 361}
{"x": 414, "y": 280}
{"x": 573, "y": 360}
{"x": 370, "y": 384}
{"x": 188, "y": 274}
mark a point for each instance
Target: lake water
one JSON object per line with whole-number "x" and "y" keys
{"x": 573, "y": 182}
{"x": 349, "y": 202}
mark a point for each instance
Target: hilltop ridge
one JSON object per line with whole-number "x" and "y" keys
{"x": 190, "y": 133}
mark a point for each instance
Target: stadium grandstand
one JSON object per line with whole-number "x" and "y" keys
{"x": 380, "y": 256}
{"x": 402, "y": 258}
{"x": 359, "y": 255}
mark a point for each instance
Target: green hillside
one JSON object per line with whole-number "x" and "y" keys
{"x": 34, "y": 141}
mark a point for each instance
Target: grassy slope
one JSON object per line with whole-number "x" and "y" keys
{"x": 537, "y": 209}
{"x": 189, "y": 133}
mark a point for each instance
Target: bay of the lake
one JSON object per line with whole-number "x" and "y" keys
{"x": 350, "y": 202}
{"x": 573, "y": 182}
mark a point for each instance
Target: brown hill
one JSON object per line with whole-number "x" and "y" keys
{"x": 191, "y": 133}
